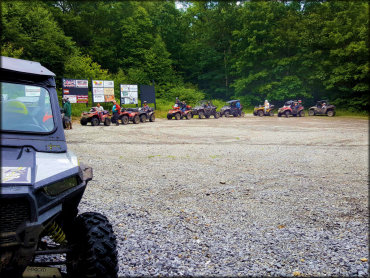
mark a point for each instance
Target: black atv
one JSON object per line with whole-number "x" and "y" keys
{"x": 231, "y": 109}
{"x": 42, "y": 184}
{"x": 205, "y": 109}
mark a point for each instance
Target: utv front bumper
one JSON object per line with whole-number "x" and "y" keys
{"x": 25, "y": 212}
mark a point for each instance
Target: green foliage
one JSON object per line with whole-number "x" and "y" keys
{"x": 251, "y": 50}
{"x": 190, "y": 95}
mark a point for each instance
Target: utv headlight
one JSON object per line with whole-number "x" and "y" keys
{"x": 55, "y": 189}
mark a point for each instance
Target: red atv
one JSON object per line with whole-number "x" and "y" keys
{"x": 179, "y": 114}
{"x": 95, "y": 117}
{"x": 293, "y": 108}
{"x": 125, "y": 116}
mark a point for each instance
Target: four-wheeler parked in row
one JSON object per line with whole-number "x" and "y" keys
{"x": 205, "y": 109}
{"x": 260, "y": 111}
{"x": 232, "y": 109}
{"x": 291, "y": 108}
{"x": 95, "y": 118}
{"x": 42, "y": 184}
{"x": 144, "y": 115}
{"x": 126, "y": 116}
{"x": 322, "y": 108}
{"x": 178, "y": 114}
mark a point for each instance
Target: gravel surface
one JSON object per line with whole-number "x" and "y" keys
{"x": 237, "y": 196}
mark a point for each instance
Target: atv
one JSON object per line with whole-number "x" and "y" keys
{"x": 178, "y": 114}
{"x": 95, "y": 118}
{"x": 144, "y": 115}
{"x": 231, "y": 109}
{"x": 42, "y": 184}
{"x": 205, "y": 109}
{"x": 260, "y": 111}
{"x": 322, "y": 108}
{"x": 290, "y": 109}
{"x": 126, "y": 116}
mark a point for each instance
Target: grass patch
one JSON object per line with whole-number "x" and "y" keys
{"x": 214, "y": 156}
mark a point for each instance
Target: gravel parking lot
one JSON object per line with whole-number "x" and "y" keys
{"x": 237, "y": 196}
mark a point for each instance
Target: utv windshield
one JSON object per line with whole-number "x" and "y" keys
{"x": 25, "y": 108}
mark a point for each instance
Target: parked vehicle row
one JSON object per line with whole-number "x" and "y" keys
{"x": 126, "y": 115}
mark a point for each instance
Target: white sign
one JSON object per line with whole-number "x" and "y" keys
{"x": 98, "y": 83}
{"x": 82, "y": 84}
{"x": 108, "y": 84}
{"x": 32, "y": 91}
{"x": 98, "y": 98}
{"x": 129, "y": 94}
{"x": 72, "y": 98}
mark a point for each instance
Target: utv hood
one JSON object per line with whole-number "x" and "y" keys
{"x": 25, "y": 166}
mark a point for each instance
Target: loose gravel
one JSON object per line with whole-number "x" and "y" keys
{"x": 228, "y": 197}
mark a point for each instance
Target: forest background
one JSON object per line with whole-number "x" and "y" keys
{"x": 220, "y": 50}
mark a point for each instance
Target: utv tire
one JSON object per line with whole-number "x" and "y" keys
{"x": 136, "y": 119}
{"x": 201, "y": 114}
{"x": 124, "y": 120}
{"x": 152, "y": 118}
{"x": 177, "y": 116}
{"x": 95, "y": 121}
{"x": 107, "y": 121}
{"x": 301, "y": 113}
{"x": 143, "y": 118}
{"x": 94, "y": 247}
{"x": 330, "y": 113}
{"x": 83, "y": 121}
{"x": 261, "y": 113}
{"x": 217, "y": 115}
{"x": 188, "y": 116}
{"x": 227, "y": 114}
{"x": 287, "y": 113}
{"x": 311, "y": 112}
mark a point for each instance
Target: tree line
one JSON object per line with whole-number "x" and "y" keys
{"x": 250, "y": 50}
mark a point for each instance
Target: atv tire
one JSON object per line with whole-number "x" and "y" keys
{"x": 330, "y": 113}
{"x": 95, "y": 121}
{"x": 94, "y": 247}
{"x": 125, "y": 120}
{"x": 301, "y": 113}
{"x": 83, "y": 121}
{"x": 143, "y": 118}
{"x": 261, "y": 113}
{"x": 216, "y": 115}
{"x": 201, "y": 114}
{"x": 169, "y": 117}
{"x": 287, "y": 113}
{"x": 207, "y": 116}
{"x": 177, "y": 116}
{"x": 107, "y": 121}
{"x": 136, "y": 119}
{"x": 279, "y": 115}
{"x": 226, "y": 114}
{"x": 152, "y": 118}
{"x": 311, "y": 112}
{"x": 271, "y": 113}
{"x": 243, "y": 114}
{"x": 188, "y": 116}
